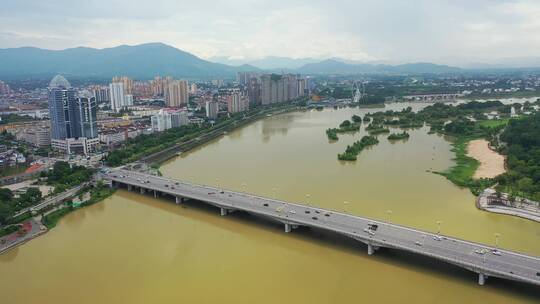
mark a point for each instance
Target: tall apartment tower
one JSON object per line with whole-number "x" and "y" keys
{"x": 177, "y": 93}
{"x": 117, "y": 96}
{"x": 266, "y": 89}
{"x": 86, "y": 116}
{"x": 62, "y": 108}
{"x": 254, "y": 91}
{"x": 212, "y": 109}
{"x": 127, "y": 82}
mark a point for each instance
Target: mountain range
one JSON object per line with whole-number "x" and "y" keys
{"x": 147, "y": 60}
{"x": 140, "y": 61}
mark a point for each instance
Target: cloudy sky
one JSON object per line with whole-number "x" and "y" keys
{"x": 442, "y": 31}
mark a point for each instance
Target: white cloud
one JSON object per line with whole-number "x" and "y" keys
{"x": 423, "y": 30}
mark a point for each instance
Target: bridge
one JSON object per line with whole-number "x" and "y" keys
{"x": 433, "y": 97}
{"x": 482, "y": 259}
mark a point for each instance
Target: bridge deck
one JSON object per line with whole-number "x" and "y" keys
{"x": 502, "y": 263}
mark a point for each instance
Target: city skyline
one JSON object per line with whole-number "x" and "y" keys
{"x": 458, "y": 33}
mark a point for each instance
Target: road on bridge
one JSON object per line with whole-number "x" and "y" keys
{"x": 482, "y": 259}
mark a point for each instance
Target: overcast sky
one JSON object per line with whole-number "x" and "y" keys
{"x": 442, "y": 31}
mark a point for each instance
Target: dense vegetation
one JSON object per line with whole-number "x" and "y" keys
{"x": 522, "y": 146}
{"x": 344, "y": 127}
{"x": 64, "y": 176}
{"x": 97, "y": 194}
{"x": 352, "y": 152}
{"x": 143, "y": 145}
{"x": 398, "y": 136}
{"x": 11, "y": 118}
{"x": 9, "y": 204}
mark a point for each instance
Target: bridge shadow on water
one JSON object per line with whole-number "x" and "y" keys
{"x": 394, "y": 257}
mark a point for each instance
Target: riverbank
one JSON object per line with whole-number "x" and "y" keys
{"x": 491, "y": 163}
{"x": 39, "y": 225}
{"x": 157, "y": 158}
{"x": 491, "y": 201}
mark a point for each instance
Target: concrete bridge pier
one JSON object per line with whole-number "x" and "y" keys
{"x": 371, "y": 249}
{"x": 179, "y": 200}
{"x": 129, "y": 187}
{"x": 223, "y": 211}
{"x": 142, "y": 190}
{"x": 155, "y": 194}
{"x": 482, "y": 279}
{"x": 288, "y": 228}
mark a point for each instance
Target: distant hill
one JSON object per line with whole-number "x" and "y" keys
{"x": 140, "y": 61}
{"x": 268, "y": 63}
{"x": 332, "y": 66}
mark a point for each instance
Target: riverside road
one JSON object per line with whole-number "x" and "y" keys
{"x": 482, "y": 259}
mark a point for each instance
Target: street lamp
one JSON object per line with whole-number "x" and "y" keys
{"x": 307, "y": 198}
{"x": 388, "y": 213}
{"x": 439, "y": 228}
{"x": 345, "y": 207}
{"x": 244, "y": 187}
{"x": 497, "y": 235}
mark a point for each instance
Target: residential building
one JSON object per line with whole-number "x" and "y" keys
{"x": 86, "y": 117}
{"x": 177, "y": 93}
{"x": 280, "y": 88}
{"x": 62, "y": 107}
{"x": 73, "y": 120}
{"x": 165, "y": 120}
{"x": 212, "y": 109}
{"x": 236, "y": 102}
{"x": 127, "y": 83}
{"x": 102, "y": 95}
{"x": 117, "y": 96}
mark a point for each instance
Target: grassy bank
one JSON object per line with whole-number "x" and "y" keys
{"x": 462, "y": 172}
{"x": 97, "y": 194}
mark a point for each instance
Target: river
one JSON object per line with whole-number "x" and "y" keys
{"x": 137, "y": 249}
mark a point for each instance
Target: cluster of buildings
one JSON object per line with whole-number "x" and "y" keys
{"x": 121, "y": 91}
{"x": 272, "y": 88}
{"x": 81, "y": 120}
{"x": 4, "y": 88}
{"x": 73, "y": 117}
{"x": 10, "y": 157}
{"x": 167, "y": 119}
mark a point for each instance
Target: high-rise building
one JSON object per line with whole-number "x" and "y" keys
{"x": 62, "y": 108}
{"x": 212, "y": 109}
{"x": 165, "y": 120}
{"x": 179, "y": 119}
{"x": 73, "y": 120}
{"x": 142, "y": 89}
{"x": 266, "y": 89}
{"x": 86, "y": 116}
{"x": 126, "y": 81}
{"x": 193, "y": 89}
{"x": 102, "y": 94}
{"x": 302, "y": 87}
{"x": 177, "y": 93}
{"x": 280, "y": 88}
{"x": 157, "y": 86}
{"x": 254, "y": 91}
{"x": 4, "y": 88}
{"x": 117, "y": 96}
{"x": 236, "y": 103}
{"x": 128, "y": 100}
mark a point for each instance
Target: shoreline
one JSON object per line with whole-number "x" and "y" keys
{"x": 491, "y": 163}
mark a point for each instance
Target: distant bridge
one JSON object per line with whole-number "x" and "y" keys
{"x": 482, "y": 259}
{"x": 433, "y": 97}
